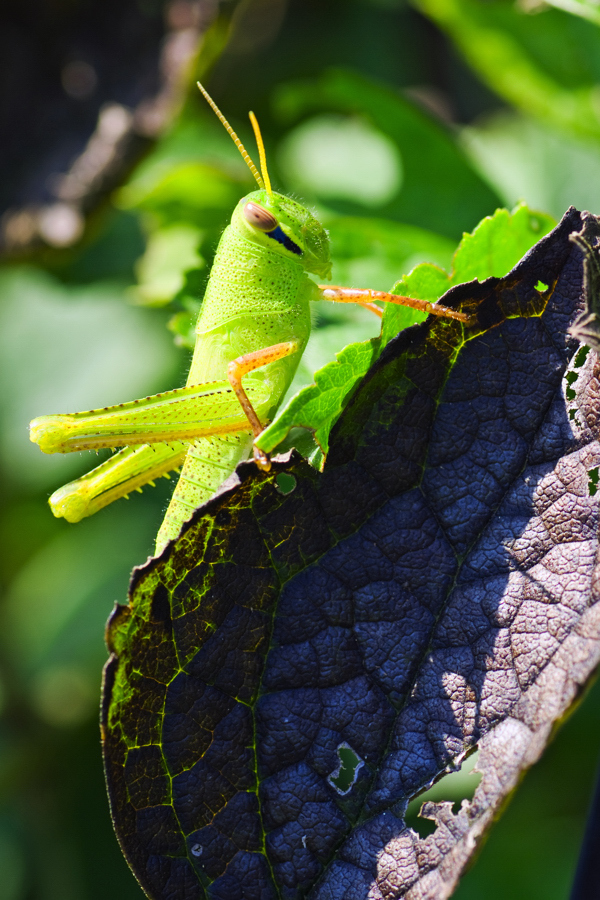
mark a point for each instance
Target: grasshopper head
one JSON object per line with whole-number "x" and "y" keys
{"x": 275, "y": 221}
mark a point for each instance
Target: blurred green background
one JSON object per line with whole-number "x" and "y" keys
{"x": 402, "y": 124}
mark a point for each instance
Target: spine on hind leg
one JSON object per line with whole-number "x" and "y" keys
{"x": 208, "y": 463}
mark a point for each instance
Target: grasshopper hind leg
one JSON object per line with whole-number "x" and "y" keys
{"x": 125, "y": 471}
{"x": 208, "y": 463}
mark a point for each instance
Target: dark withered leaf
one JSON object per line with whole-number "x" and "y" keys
{"x": 586, "y": 327}
{"x": 297, "y": 666}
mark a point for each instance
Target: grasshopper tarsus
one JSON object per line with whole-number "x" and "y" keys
{"x": 262, "y": 459}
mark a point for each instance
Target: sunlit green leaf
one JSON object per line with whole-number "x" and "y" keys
{"x": 339, "y": 156}
{"x": 190, "y": 192}
{"x": 368, "y": 252}
{"x": 494, "y": 247}
{"x": 65, "y": 347}
{"x": 582, "y": 8}
{"x": 537, "y": 162}
{"x": 169, "y": 253}
{"x": 546, "y": 65}
{"x": 440, "y": 191}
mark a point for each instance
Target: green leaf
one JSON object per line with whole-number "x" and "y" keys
{"x": 319, "y": 405}
{"x": 370, "y": 252}
{"x": 494, "y": 247}
{"x": 546, "y": 65}
{"x": 582, "y": 8}
{"x": 194, "y": 175}
{"x": 170, "y": 252}
{"x": 440, "y": 191}
{"x": 536, "y": 162}
{"x": 497, "y": 243}
{"x": 190, "y": 192}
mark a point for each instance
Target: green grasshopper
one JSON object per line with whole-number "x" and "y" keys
{"x": 253, "y": 325}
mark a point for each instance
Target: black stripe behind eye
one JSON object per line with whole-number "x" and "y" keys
{"x": 281, "y": 237}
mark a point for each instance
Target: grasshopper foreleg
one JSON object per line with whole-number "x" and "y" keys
{"x": 240, "y": 367}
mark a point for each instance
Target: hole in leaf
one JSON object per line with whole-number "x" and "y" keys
{"x": 346, "y": 773}
{"x": 593, "y": 482}
{"x": 541, "y": 287}
{"x": 581, "y": 356}
{"x": 423, "y": 827}
{"x": 285, "y": 483}
{"x": 571, "y": 378}
{"x": 453, "y": 787}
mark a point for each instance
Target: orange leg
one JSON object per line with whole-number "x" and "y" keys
{"x": 240, "y": 367}
{"x": 365, "y": 297}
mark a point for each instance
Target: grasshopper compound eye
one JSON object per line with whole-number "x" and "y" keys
{"x": 259, "y": 217}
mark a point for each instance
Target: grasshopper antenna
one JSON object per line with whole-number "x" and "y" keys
{"x": 261, "y": 153}
{"x": 236, "y": 140}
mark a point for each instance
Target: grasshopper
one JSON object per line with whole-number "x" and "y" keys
{"x": 253, "y": 327}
